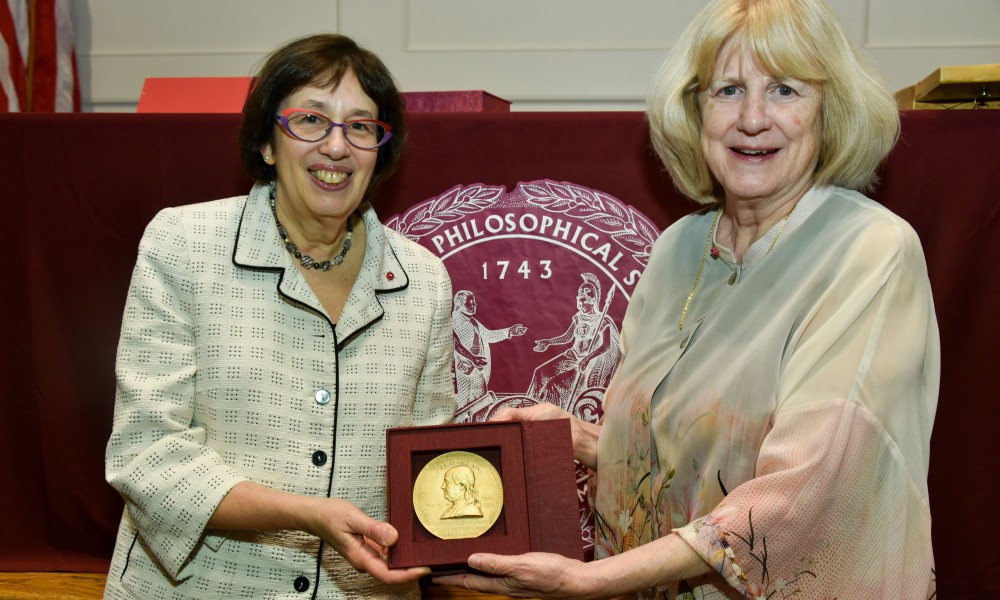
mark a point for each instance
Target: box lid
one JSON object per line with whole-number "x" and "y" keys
{"x": 959, "y": 84}
{"x": 193, "y": 94}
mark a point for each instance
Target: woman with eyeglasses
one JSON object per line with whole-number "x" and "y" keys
{"x": 268, "y": 342}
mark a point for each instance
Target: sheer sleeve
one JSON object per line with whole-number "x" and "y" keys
{"x": 838, "y": 502}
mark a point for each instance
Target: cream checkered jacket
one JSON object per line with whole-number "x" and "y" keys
{"x": 229, "y": 370}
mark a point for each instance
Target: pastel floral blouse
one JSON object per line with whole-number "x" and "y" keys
{"x": 784, "y": 432}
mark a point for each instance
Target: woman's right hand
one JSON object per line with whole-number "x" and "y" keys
{"x": 584, "y": 434}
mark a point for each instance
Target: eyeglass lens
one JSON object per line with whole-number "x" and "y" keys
{"x": 311, "y": 127}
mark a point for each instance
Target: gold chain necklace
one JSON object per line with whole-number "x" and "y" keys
{"x": 704, "y": 255}
{"x": 780, "y": 229}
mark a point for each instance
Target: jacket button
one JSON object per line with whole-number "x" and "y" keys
{"x": 322, "y": 396}
{"x": 301, "y": 583}
{"x": 319, "y": 458}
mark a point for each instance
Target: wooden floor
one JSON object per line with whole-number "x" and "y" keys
{"x": 90, "y": 586}
{"x": 54, "y": 586}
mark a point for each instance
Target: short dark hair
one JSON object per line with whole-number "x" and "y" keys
{"x": 321, "y": 60}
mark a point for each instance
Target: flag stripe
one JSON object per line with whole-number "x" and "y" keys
{"x": 13, "y": 45}
{"x": 43, "y": 63}
{"x": 66, "y": 81}
{"x": 10, "y": 99}
{"x": 38, "y": 70}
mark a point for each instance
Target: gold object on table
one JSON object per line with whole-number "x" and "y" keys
{"x": 458, "y": 495}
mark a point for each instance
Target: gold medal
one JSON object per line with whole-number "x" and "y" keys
{"x": 458, "y": 495}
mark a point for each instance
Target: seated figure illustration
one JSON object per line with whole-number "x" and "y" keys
{"x": 591, "y": 359}
{"x": 459, "y": 488}
{"x": 472, "y": 348}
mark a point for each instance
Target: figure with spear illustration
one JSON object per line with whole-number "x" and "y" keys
{"x": 592, "y": 357}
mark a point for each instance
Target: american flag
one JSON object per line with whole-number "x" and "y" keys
{"x": 37, "y": 60}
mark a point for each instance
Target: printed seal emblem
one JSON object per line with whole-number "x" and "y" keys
{"x": 541, "y": 275}
{"x": 458, "y": 495}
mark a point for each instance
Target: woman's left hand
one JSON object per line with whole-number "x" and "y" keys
{"x": 584, "y": 434}
{"x": 362, "y": 541}
{"x": 532, "y": 575}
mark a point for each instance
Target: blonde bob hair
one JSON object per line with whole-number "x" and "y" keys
{"x": 790, "y": 39}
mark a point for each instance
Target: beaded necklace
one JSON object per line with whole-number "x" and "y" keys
{"x": 304, "y": 259}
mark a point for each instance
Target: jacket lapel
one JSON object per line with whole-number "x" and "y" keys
{"x": 258, "y": 247}
{"x": 381, "y": 273}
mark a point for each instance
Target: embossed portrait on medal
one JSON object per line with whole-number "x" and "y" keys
{"x": 458, "y": 495}
{"x": 459, "y": 487}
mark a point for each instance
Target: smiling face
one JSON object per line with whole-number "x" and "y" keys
{"x": 328, "y": 178}
{"x": 761, "y": 135}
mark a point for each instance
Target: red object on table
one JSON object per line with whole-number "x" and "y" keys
{"x": 227, "y": 95}
{"x": 193, "y": 94}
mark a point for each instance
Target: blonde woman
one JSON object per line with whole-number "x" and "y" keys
{"x": 768, "y": 430}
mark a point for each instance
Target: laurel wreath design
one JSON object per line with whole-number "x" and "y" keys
{"x": 629, "y": 228}
{"x": 453, "y": 205}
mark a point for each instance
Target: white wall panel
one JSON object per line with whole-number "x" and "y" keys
{"x": 548, "y": 54}
{"x": 121, "y": 42}
{"x": 547, "y": 25}
{"x": 959, "y": 23}
{"x": 540, "y": 54}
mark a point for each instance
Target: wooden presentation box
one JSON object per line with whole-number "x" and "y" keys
{"x": 541, "y": 510}
{"x": 969, "y": 86}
